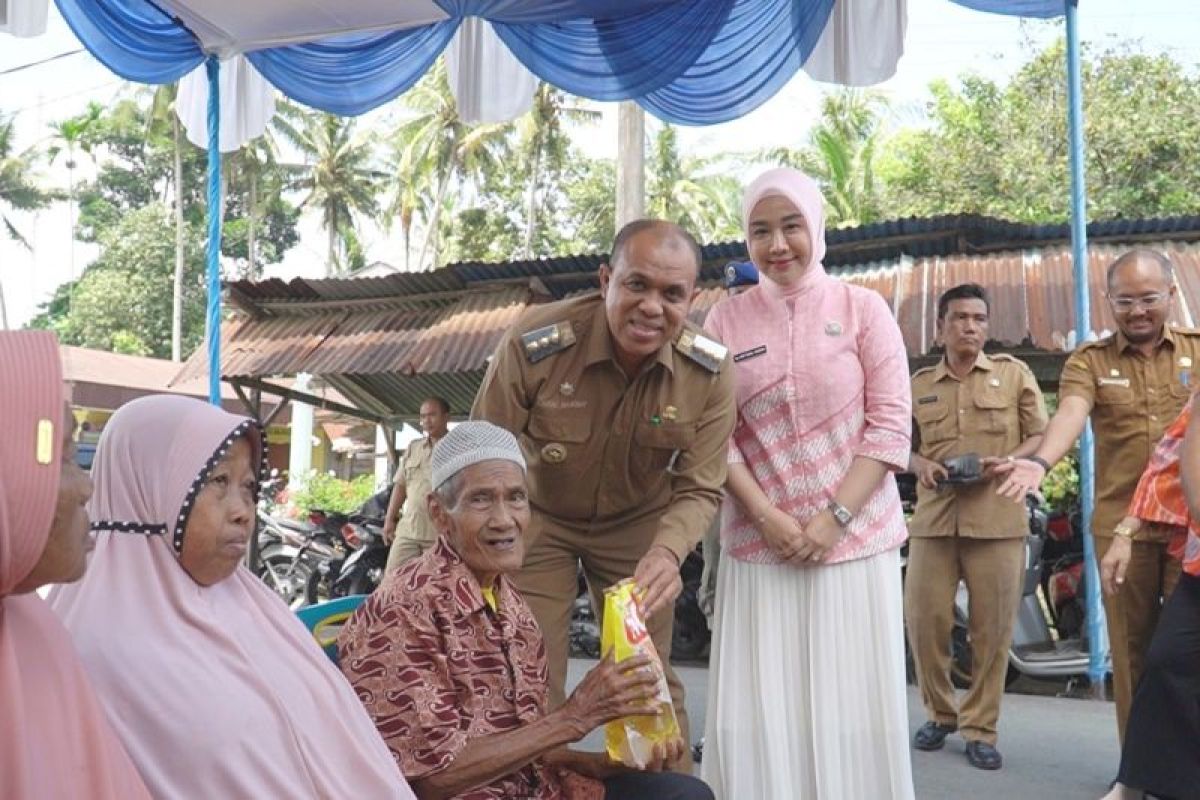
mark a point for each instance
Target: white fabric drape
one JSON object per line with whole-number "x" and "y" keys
{"x": 247, "y": 104}
{"x": 25, "y": 18}
{"x": 489, "y": 83}
{"x": 861, "y": 44}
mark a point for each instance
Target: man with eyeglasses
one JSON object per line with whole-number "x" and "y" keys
{"x": 1133, "y": 384}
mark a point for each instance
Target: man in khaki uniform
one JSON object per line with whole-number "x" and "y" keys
{"x": 1133, "y": 384}
{"x": 990, "y": 406}
{"x": 624, "y": 411}
{"x": 414, "y": 533}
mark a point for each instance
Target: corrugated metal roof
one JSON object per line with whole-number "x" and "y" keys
{"x": 420, "y": 338}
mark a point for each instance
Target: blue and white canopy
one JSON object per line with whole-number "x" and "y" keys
{"x": 692, "y": 62}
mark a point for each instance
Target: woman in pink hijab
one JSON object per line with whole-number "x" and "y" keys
{"x": 54, "y": 739}
{"x": 806, "y": 681}
{"x": 213, "y": 685}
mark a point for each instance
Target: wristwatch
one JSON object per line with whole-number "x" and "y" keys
{"x": 1123, "y": 531}
{"x": 840, "y": 513}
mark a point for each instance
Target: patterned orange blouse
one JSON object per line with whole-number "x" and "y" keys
{"x": 1159, "y": 496}
{"x": 436, "y": 667}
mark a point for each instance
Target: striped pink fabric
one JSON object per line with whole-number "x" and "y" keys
{"x": 831, "y": 384}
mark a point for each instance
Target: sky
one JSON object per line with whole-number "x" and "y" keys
{"x": 944, "y": 40}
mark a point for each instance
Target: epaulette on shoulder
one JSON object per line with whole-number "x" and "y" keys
{"x": 708, "y": 353}
{"x": 1008, "y": 358}
{"x": 924, "y": 370}
{"x": 1103, "y": 341}
{"x": 1186, "y": 331}
{"x": 547, "y": 341}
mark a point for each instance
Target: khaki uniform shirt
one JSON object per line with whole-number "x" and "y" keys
{"x": 414, "y": 473}
{"x": 1133, "y": 399}
{"x": 605, "y": 451}
{"x": 990, "y": 412}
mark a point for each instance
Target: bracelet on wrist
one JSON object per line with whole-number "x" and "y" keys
{"x": 1041, "y": 462}
{"x": 1123, "y": 531}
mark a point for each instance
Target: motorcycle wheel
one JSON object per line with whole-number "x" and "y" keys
{"x": 287, "y": 576}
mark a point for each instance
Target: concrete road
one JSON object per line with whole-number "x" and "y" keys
{"x": 1054, "y": 748}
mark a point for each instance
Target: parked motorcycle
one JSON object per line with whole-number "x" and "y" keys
{"x": 1049, "y": 634}
{"x": 289, "y": 552}
{"x": 361, "y": 558}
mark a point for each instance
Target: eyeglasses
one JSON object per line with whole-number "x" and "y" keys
{"x": 1146, "y": 301}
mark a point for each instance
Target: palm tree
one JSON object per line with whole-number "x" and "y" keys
{"x": 438, "y": 147}
{"x": 543, "y": 145}
{"x": 73, "y": 135}
{"x": 18, "y": 192}
{"x": 337, "y": 173}
{"x": 162, "y": 116}
{"x": 695, "y": 192}
{"x": 840, "y": 155}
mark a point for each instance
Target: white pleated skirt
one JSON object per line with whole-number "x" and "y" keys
{"x": 806, "y": 692}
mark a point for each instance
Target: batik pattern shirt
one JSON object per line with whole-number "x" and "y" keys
{"x": 436, "y": 667}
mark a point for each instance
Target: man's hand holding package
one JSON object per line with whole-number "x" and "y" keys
{"x": 657, "y": 575}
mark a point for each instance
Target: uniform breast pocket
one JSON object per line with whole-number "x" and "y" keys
{"x": 658, "y": 448}
{"x": 1114, "y": 394}
{"x": 557, "y": 440}
{"x": 934, "y": 422}
{"x": 994, "y": 412}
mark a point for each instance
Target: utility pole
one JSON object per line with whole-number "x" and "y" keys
{"x": 631, "y": 162}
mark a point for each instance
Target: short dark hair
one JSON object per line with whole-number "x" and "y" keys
{"x": 964, "y": 291}
{"x": 666, "y": 228}
{"x": 442, "y": 402}
{"x": 1138, "y": 253}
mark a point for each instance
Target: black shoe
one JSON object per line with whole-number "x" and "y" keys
{"x": 931, "y": 736}
{"x": 698, "y": 751}
{"x": 983, "y": 756}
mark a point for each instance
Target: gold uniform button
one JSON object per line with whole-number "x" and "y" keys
{"x": 554, "y": 453}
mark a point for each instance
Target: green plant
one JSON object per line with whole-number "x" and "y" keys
{"x": 1061, "y": 485}
{"x": 328, "y": 493}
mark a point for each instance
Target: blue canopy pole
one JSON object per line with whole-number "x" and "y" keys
{"x": 1098, "y": 640}
{"x": 213, "y": 68}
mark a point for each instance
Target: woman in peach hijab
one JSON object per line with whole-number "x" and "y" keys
{"x": 56, "y": 741}
{"x": 216, "y": 689}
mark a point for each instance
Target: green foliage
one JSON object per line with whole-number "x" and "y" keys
{"x": 123, "y": 300}
{"x": 323, "y": 491}
{"x": 1060, "y": 488}
{"x": 19, "y": 187}
{"x": 337, "y": 177}
{"x": 699, "y": 194}
{"x": 1002, "y": 150}
{"x": 840, "y": 153}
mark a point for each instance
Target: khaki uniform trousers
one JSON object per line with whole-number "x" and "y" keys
{"x": 1132, "y": 616}
{"x": 549, "y": 583}
{"x": 406, "y": 549}
{"x": 993, "y": 570}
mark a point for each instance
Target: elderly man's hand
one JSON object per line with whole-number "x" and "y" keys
{"x": 611, "y": 691}
{"x": 657, "y": 575}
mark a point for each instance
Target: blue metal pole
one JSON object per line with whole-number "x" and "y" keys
{"x": 1097, "y": 636}
{"x": 213, "y": 69}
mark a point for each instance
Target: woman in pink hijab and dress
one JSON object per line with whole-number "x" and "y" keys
{"x": 55, "y": 741}
{"x": 215, "y": 688}
{"x": 806, "y": 679}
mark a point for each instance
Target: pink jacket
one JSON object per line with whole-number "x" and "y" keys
{"x": 822, "y": 377}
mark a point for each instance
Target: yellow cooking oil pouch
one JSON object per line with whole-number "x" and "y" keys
{"x": 631, "y": 740}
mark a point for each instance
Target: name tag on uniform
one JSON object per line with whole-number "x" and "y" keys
{"x": 751, "y": 353}
{"x": 924, "y": 401}
{"x": 1113, "y": 382}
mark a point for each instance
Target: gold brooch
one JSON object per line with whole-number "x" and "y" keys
{"x": 554, "y": 453}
